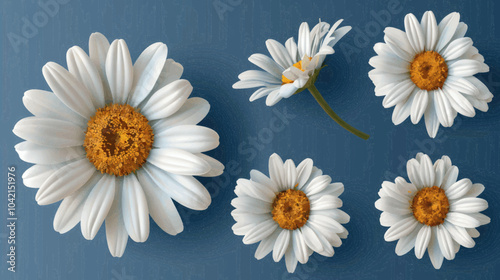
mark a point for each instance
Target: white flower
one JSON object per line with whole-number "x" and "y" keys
{"x": 434, "y": 212}
{"x": 292, "y": 65}
{"x": 117, "y": 142}
{"x": 429, "y": 71}
{"x": 293, "y": 213}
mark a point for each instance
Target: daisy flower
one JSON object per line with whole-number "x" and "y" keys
{"x": 293, "y": 213}
{"x": 117, "y": 142}
{"x": 429, "y": 71}
{"x": 295, "y": 67}
{"x": 433, "y": 212}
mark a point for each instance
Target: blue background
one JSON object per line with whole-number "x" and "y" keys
{"x": 213, "y": 46}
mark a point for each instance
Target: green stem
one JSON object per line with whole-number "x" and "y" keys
{"x": 322, "y": 102}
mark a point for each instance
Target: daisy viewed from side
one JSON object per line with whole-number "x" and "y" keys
{"x": 116, "y": 142}
{"x": 433, "y": 212}
{"x": 295, "y": 67}
{"x": 429, "y": 71}
{"x": 292, "y": 213}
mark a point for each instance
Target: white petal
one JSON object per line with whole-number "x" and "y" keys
{"x": 186, "y": 190}
{"x": 431, "y": 119}
{"x": 321, "y": 221}
{"x": 45, "y": 104}
{"x": 430, "y": 30}
{"x": 398, "y": 42}
{"x": 458, "y": 189}
{"x": 260, "y": 231}
{"x": 249, "y": 188}
{"x": 172, "y": 71}
{"x": 326, "y": 202}
{"x": 459, "y": 102}
{"x": 277, "y": 172}
{"x": 439, "y": 169}
{"x": 288, "y": 90}
{"x": 419, "y": 105}
{"x": 119, "y": 71}
{"x": 465, "y": 68}
{"x": 426, "y": 171}
{"x": 116, "y": 233}
{"x": 70, "y": 210}
{"x": 258, "y": 75}
{"x": 434, "y": 251}
{"x": 80, "y": 65}
{"x": 290, "y": 260}
{"x": 251, "y": 205}
{"x": 97, "y": 206}
{"x": 469, "y": 205}
{"x": 474, "y": 233}
{"x": 160, "y": 205}
{"x": 266, "y": 64}
{"x": 447, "y": 28}
{"x": 135, "y": 209}
{"x": 33, "y": 153}
{"x": 260, "y": 178}
{"x": 483, "y": 219}
{"x": 413, "y": 170}
{"x": 266, "y": 245}
{"x": 299, "y": 246}
{"x": 279, "y": 53}
{"x": 311, "y": 238}
{"x": 304, "y": 172}
{"x": 484, "y": 92}
{"x": 389, "y": 64}
{"x": 445, "y": 242}
{"x": 304, "y": 41}
{"x": 398, "y": 94}
{"x": 456, "y": 48}
{"x": 191, "y": 138}
{"x": 400, "y": 229}
{"x": 216, "y": 167}
{"x": 462, "y": 85}
{"x": 69, "y": 90}
{"x": 292, "y": 49}
{"x": 281, "y": 244}
{"x": 381, "y": 78}
{"x": 273, "y": 97}
{"x": 168, "y": 100}
{"x": 65, "y": 181}
{"x": 178, "y": 162}
{"x": 462, "y": 220}
{"x": 406, "y": 243}
{"x": 460, "y": 235}
{"x": 290, "y": 173}
{"x": 98, "y": 50}
{"x": 317, "y": 185}
{"x": 391, "y": 205}
{"x": 147, "y": 69}
{"x": 476, "y": 190}
{"x": 36, "y": 175}
{"x": 422, "y": 241}
{"x": 414, "y": 33}
{"x": 261, "y": 92}
{"x": 387, "y": 219}
{"x": 193, "y": 111}
{"x": 49, "y": 132}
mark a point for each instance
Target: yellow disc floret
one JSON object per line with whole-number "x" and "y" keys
{"x": 430, "y": 206}
{"x": 290, "y": 209}
{"x": 428, "y": 70}
{"x": 118, "y": 139}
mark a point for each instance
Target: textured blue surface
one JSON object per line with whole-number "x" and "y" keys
{"x": 213, "y": 46}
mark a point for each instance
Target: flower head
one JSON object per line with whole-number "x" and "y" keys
{"x": 117, "y": 142}
{"x": 292, "y": 66}
{"x": 434, "y": 212}
{"x": 429, "y": 71}
{"x": 292, "y": 213}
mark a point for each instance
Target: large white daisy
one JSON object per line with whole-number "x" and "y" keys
{"x": 433, "y": 212}
{"x": 293, "y": 213}
{"x": 117, "y": 142}
{"x": 295, "y": 67}
{"x": 429, "y": 71}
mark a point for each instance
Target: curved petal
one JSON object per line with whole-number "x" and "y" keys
{"x": 460, "y": 235}
{"x": 147, "y": 69}
{"x": 422, "y": 241}
{"x": 191, "y": 138}
{"x": 456, "y": 48}
{"x": 299, "y": 246}
{"x": 266, "y": 245}
{"x": 398, "y": 42}
{"x": 119, "y": 71}
{"x": 193, "y": 111}
{"x": 178, "y": 162}
{"x": 304, "y": 40}
{"x": 434, "y": 251}
{"x": 267, "y": 64}
{"x": 65, "y": 181}
{"x": 135, "y": 209}
{"x": 304, "y": 170}
{"x": 447, "y": 28}
{"x": 462, "y": 220}
{"x": 393, "y": 206}
{"x": 390, "y": 64}
{"x": 458, "y": 189}
{"x": 97, "y": 206}
{"x": 49, "y": 132}
{"x": 245, "y": 187}
{"x": 80, "y": 65}
{"x": 168, "y": 100}
{"x": 186, "y": 190}
{"x": 419, "y": 105}
{"x": 45, "y": 104}
{"x": 445, "y": 242}
{"x": 98, "y": 50}
{"x": 69, "y": 90}
{"x": 403, "y": 109}
{"x": 427, "y": 174}
{"x": 317, "y": 185}
{"x": 406, "y": 243}
{"x": 281, "y": 245}
{"x": 292, "y": 49}
{"x": 172, "y": 71}
{"x": 400, "y": 229}
{"x": 116, "y": 233}
{"x": 277, "y": 171}
{"x": 459, "y": 102}
{"x": 260, "y": 231}
{"x": 414, "y": 33}
{"x": 443, "y": 107}
{"x": 466, "y": 68}
{"x": 36, "y": 175}
{"x": 262, "y": 179}
{"x": 33, "y": 153}
{"x": 398, "y": 94}
{"x": 431, "y": 119}
{"x": 290, "y": 260}
{"x": 279, "y": 53}
{"x": 430, "y": 30}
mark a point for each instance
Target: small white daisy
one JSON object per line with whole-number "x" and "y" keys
{"x": 433, "y": 212}
{"x": 295, "y": 67}
{"x": 293, "y": 213}
{"x": 429, "y": 71}
{"x": 117, "y": 142}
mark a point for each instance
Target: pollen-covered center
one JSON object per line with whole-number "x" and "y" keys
{"x": 291, "y": 209}
{"x": 118, "y": 139}
{"x": 428, "y": 70}
{"x": 430, "y": 206}
{"x": 298, "y": 65}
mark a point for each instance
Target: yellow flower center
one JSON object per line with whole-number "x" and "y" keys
{"x": 291, "y": 209}
{"x": 118, "y": 139}
{"x": 430, "y": 206}
{"x": 428, "y": 70}
{"x": 298, "y": 65}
